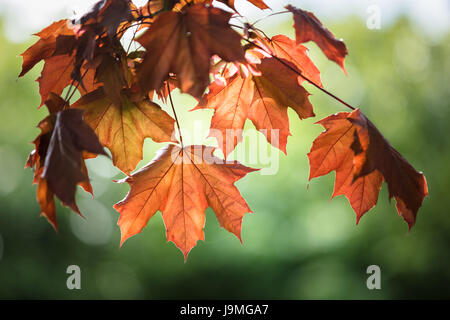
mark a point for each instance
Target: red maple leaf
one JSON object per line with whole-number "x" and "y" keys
{"x": 309, "y": 28}
{"x": 182, "y": 183}
{"x": 264, "y": 99}
{"x": 183, "y": 43}
{"x": 362, "y": 158}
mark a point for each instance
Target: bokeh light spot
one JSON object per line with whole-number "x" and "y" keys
{"x": 97, "y": 226}
{"x": 11, "y": 169}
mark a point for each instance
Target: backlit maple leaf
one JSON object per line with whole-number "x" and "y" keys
{"x": 182, "y": 183}
{"x": 123, "y": 128}
{"x": 374, "y": 153}
{"x": 264, "y": 99}
{"x": 46, "y": 45}
{"x": 58, "y": 157}
{"x": 109, "y": 14}
{"x": 183, "y": 43}
{"x": 287, "y": 49}
{"x": 309, "y": 28}
{"x": 55, "y": 47}
{"x": 362, "y": 158}
{"x": 71, "y": 136}
{"x": 57, "y": 75}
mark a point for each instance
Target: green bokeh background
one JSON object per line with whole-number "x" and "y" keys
{"x": 298, "y": 244}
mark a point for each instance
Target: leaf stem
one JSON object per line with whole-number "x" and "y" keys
{"x": 68, "y": 97}
{"x": 132, "y": 40}
{"x": 270, "y": 15}
{"x": 175, "y": 115}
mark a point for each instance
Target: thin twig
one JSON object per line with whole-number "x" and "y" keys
{"x": 270, "y": 15}
{"x": 132, "y": 40}
{"x": 175, "y": 114}
{"x": 125, "y": 28}
{"x": 67, "y": 98}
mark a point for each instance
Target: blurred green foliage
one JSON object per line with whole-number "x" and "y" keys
{"x": 297, "y": 245}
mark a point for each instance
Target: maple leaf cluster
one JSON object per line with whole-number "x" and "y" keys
{"x": 237, "y": 71}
